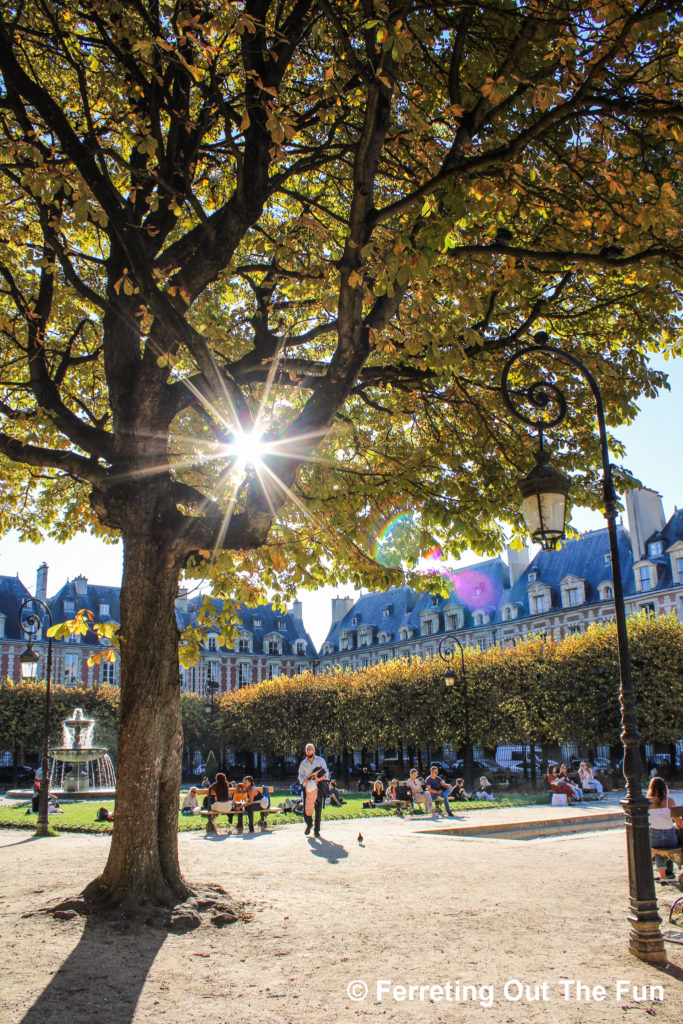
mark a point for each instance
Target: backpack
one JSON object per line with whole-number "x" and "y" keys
{"x": 265, "y": 799}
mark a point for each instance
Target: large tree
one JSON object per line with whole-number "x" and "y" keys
{"x": 323, "y": 224}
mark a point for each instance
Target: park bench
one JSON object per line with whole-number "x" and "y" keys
{"x": 263, "y": 812}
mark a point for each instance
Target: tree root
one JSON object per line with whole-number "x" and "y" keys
{"x": 205, "y": 905}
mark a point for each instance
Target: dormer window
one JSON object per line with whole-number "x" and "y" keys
{"x": 355, "y": 620}
{"x": 69, "y": 606}
{"x": 509, "y": 612}
{"x": 104, "y": 610}
{"x": 655, "y": 548}
{"x": 608, "y": 559}
{"x": 573, "y": 591}
{"x": 300, "y": 647}
{"x": 605, "y": 592}
{"x": 281, "y": 624}
{"x": 455, "y": 619}
{"x": 257, "y": 623}
{"x": 403, "y": 633}
{"x": 532, "y": 576}
{"x": 387, "y": 611}
{"x": 645, "y": 577}
{"x": 212, "y": 643}
{"x": 435, "y": 600}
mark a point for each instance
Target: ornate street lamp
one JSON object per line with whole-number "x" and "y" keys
{"x": 447, "y": 648}
{"x": 544, "y": 498}
{"x": 30, "y": 624}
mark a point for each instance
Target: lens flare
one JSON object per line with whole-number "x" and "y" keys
{"x": 471, "y": 587}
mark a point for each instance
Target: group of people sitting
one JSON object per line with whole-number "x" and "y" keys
{"x": 426, "y": 791}
{"x": 231, "y": 798}
{"x": 560, "y": 781}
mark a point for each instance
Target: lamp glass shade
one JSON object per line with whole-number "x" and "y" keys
{"x": 449, "y": 677}
{"x": 544, "y": 502}
{"x": 28, "y": 660}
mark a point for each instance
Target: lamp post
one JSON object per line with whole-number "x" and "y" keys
{"x": 447, "y": 647}
{"x": 210, "y": 707}
{"x": 30, "y": 624}
{"x": 544, "y": 494}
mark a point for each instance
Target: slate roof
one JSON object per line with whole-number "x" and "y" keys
{"x": 584, "y": 558}
{"x": 12, "y": 594}
{"x": 292, "y": 630}
{"x": 92, "y": 600}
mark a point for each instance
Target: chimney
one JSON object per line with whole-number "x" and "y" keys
{"x": 645, "y": 516}
{"x": 182, "y": 601}
{"x": 297, "y": 611}
{"x": 518, "y": 560}
{"x": 340, "y": 607}
{"x": 41, "y": 582}
{"x": 81, "y": 586}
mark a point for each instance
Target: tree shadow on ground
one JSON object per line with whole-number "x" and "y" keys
{"x": 102, "y": 978}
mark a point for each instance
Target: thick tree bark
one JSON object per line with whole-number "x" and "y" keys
{"x": 143, "y": 862}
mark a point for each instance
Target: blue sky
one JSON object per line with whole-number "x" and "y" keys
{"x": 653, "y": 444}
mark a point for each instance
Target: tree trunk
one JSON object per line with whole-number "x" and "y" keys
{"x": 143, "y": 859}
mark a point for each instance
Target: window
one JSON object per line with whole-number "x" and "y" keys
{"x": 188, "y": 678}
{"x": 257, "y": 623}
{"x": 387, "y": 611}
{"x": 644, "y": 575}
{"x": 244, "y": 673}
{"x": 71, "y": 669}
{"x": 403, "y": 633}
{"x": 212, "y": 671}
{"x": 384, "y": 657}
{"x": 679, "y": 569}
{"x": 344, "y": 643}
{"x": 607, "y": 594}
{"x": 212, "y": 643}
{"x": 244, "y": 645}
{"x": 281, "y": 624}
{"x": 539, "y": 604}
{"x": 478, "y": 619}
{"x": 648, "y": 607}
{"x": 454, "y": 620}
{"x": 608, "y": 559}
{"x": 3, "y": 620}
{"x": 355, "y": 620}
{"x": 272, "y": 646}
{"x": 656, "y": 548}
{"x": 427, "y": 627}
{"x": 532, "y": 576}
{"x": 575, "y": 627}
{"x": 69, "y": 606}
{"x": 300, "y": 647}
{"x": 572, "y": 596}
{"x": 104, "y": 610}
{"x": 108, "y": 672}
{"x": 363, "y": 663}
{"x": 273, "y": 669}
{"x": 435, "y": 600}
{"x": 481, "y": 643}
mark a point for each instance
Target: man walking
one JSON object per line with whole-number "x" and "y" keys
{"x": 313, "y": 776}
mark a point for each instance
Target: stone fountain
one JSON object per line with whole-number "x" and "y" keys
{"x": 78, "y": 770}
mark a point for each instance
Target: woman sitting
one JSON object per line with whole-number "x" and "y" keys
{"x": 558, "y": 784}
{"x": 191, "y": 802}
{"x": 459, "y": 791}
{"x": 391, "y": 796}
{"x": 588, "y": 780}
{"x": 377, "y": 795}
{"x": 485, "y": 790}
{"x": 662, "y": 831}
{"x": 243, "y": 799}
{"x": 335, "y": 797}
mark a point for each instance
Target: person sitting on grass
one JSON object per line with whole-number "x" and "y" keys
{"x": 459, "y": 791}
{"x": 335, "y": 797}
{"x": 191, "y": 802}
{"x": 391, "y": 796}
{"x": 485, "y": 790}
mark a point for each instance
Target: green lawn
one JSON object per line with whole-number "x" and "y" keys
{"x": 81, "y": 817}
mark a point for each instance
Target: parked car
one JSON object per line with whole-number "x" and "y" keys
{"x": 358, "y": 769}
{"x": 24, "y": 774}
{"x": 481, "y": 766}
{"x": 517, "y": 767}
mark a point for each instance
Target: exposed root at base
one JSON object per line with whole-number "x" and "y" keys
{"x": 206, "y": 905}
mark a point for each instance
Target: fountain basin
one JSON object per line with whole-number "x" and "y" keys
{"x": 65, "y": 796}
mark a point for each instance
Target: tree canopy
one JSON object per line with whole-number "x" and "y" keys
{"x": 324, "y": 223}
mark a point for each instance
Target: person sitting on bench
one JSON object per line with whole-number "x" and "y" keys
{"x": 244, "y": 798}
{"x": 417, "y": 791}
{"x": 588, "y": 780}
{"x": 662, "y": 826}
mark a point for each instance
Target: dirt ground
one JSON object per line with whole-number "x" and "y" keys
{"x": 530, "y": 927}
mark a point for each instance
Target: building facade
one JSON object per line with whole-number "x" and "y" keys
{"x": 269, "y": 643}
{"x": 492, "y": 603}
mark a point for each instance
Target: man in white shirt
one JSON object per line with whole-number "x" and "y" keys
{"x": 314, "y": 765}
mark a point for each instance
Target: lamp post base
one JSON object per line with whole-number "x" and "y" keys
{"x": 645, "y": 939}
